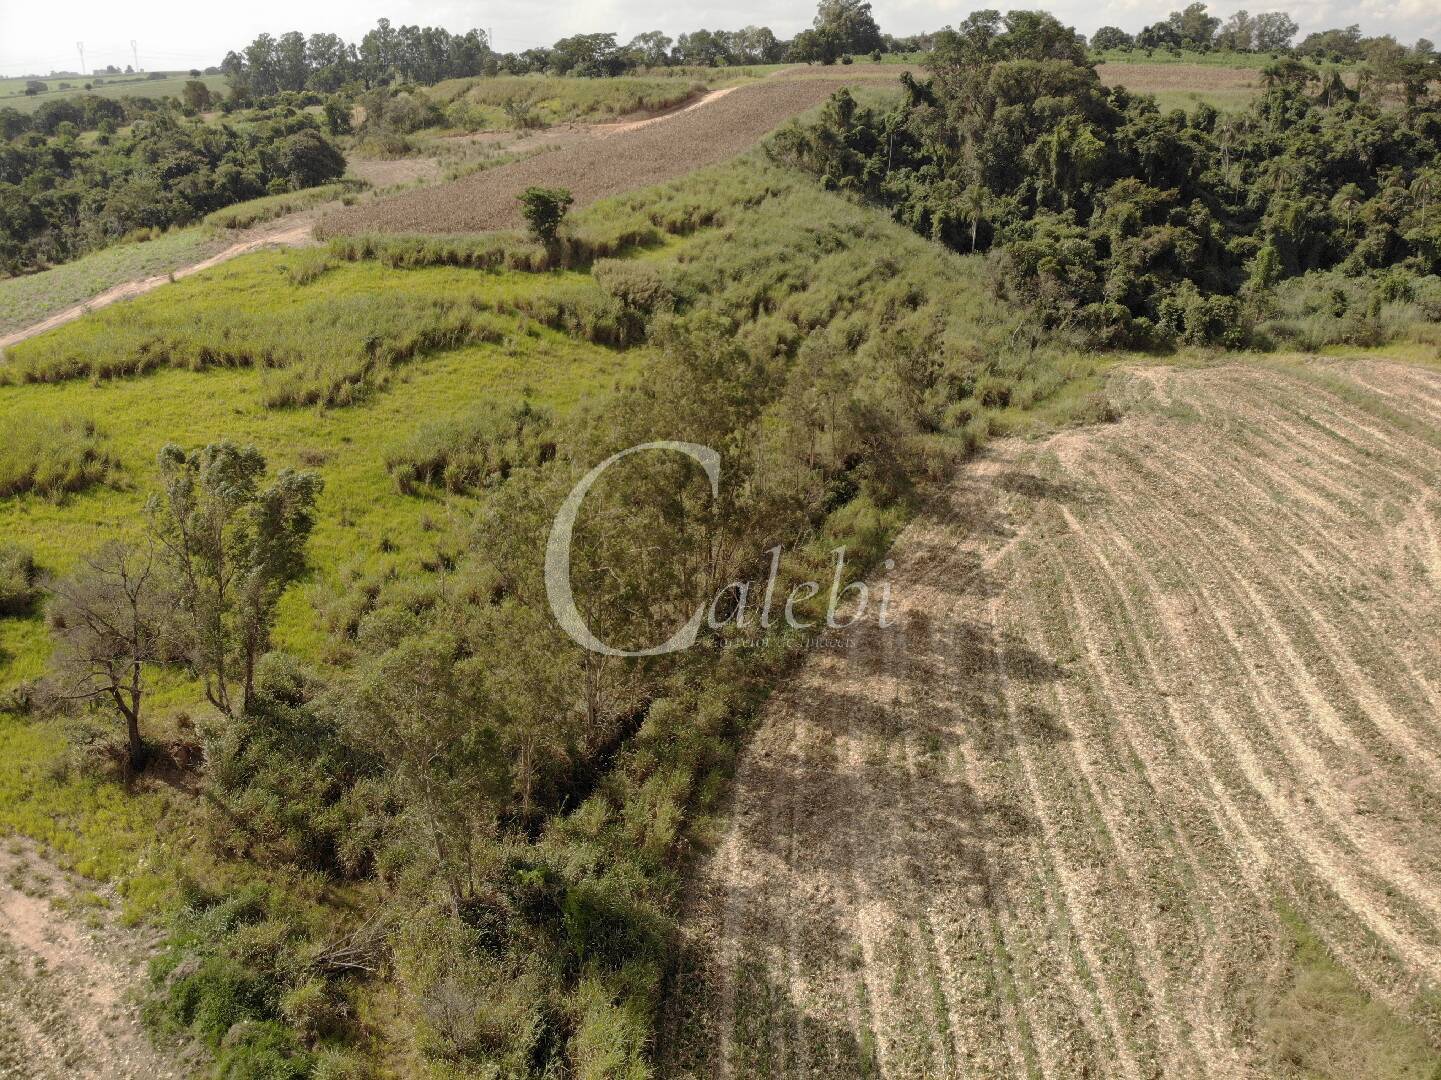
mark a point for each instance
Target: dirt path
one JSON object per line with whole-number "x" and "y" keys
{"x": 636, "y": 125}
{"x": 1147, "y": 683}
{"x": 291, "y": 231}
{"x": 67, "y": 981}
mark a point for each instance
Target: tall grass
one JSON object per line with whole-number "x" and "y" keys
{"x": 52, "y": 459}
{"x": 257, "y": 211}
{"x": 19, "y": 580}
{"x": 475, "y": 104}
{"x": 1319, "y": 310}
{"x": 317, "y": 337}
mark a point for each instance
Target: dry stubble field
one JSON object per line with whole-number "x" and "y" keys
{"x": 1160, "y": 697}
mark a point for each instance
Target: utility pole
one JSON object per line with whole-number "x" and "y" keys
{"x": 135, "y": 54}
{"x": 80, "y": 46}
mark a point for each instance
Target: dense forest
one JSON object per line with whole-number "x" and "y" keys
{"x": 1134, "y": 225}
{"x": 63, "y": 194}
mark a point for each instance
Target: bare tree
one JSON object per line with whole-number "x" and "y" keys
{"x": 109, "y": 621}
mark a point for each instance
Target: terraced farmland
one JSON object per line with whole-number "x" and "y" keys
{"x": 1142, "y": 781}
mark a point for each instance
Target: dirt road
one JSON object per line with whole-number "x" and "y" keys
{"x": 1150, "y": 685}
{"x": 290, "y": 231}
{"x": 67, "y": 1007}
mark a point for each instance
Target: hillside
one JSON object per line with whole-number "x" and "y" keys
{"x": 717, "y": 557}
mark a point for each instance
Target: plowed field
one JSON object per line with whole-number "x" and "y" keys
{"x": 618, "y": 161}
{"x": 1156, "y": 693}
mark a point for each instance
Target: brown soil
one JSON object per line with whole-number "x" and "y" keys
{"x": 1147, "y": 682}
{"x": 67, "y": 983}
{"x": 705, "y": 133}
{"x": 1152, "y": 78}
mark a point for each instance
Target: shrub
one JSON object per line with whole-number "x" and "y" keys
{"x": 19, "y": 580}
{"x": 544, "y": 209}
{"x": 54, "y": 458}
{"x": 473, "y": 452}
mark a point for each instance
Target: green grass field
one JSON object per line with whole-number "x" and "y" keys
{"x": 479, "y": 103}
{"x": 1217, "y": 58}
{"x": 30, "y": 298}
{"x": 12, "y": 91}
{"x": 361, "y": 518}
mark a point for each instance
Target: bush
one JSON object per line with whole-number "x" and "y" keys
{"x": 473, "y": 452}
{"x": 19, "y": 580}
{"x": 52, "y": 458}
{"x": 544, "y": 209}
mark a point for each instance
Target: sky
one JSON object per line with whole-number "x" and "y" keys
{"x": 36, "y": 37}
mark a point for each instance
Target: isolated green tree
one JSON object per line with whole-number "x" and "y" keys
{"x": 544, "y": 210}
{"x": 230, "y": 547}
{"x": 197, "y": 95}
{"x": 421, "y": 709}
{"x": 850, "y": 24}
{"x": 1111, "y": 37}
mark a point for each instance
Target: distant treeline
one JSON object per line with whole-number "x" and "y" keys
{"x": 425, "y": 55}
{"x": 1195, "y": 29}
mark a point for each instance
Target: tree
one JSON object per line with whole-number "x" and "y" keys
{"x": 651, "y": 49}
{"x": 1162, "y": 35}
{"x": 1194, "y": 27}
{"x": 421, "y": 709}
{"x": 587, "y": 55}
{"x": 229, "y": 547}
{"x": 544, "y": 209}
{"x": 1340, "y": 44}
{"x": 814, "y": 47}
{"x": 35, "y": 86}
{"x": 308, "y": 158}
{"x": 197, "y": 95}
{"x": 109, "y": 621}
{"x": 1274, "y": 31}
{"x": 1111, "y": 37}
{"x": 849, "y": 24}
{"x": 1238, "y": 33}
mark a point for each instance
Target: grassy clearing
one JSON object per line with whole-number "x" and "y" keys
{"x": 13, "y": 96}
{"x": 541, "y": 100}
{"x": 1218, "y": 59}
{"x": 95, "y": 825}
{"x": 257, "y": 211}
{"x": 362, "y": 518}
{"x": 317, "y": 335}
{"x": 1325, "y": 1026}
{"x": 31, "y": 298}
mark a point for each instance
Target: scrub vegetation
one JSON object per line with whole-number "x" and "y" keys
{"x": 1138, "y": 776}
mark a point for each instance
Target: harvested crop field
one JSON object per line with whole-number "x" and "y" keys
{"x": 1183, "y": 86}
{"x": 1152, "y": 78}
{"x": 655, "y": 152}
{"x": 1144, "y": 779}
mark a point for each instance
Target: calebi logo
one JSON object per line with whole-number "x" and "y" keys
{"x": 734, "y": 598}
